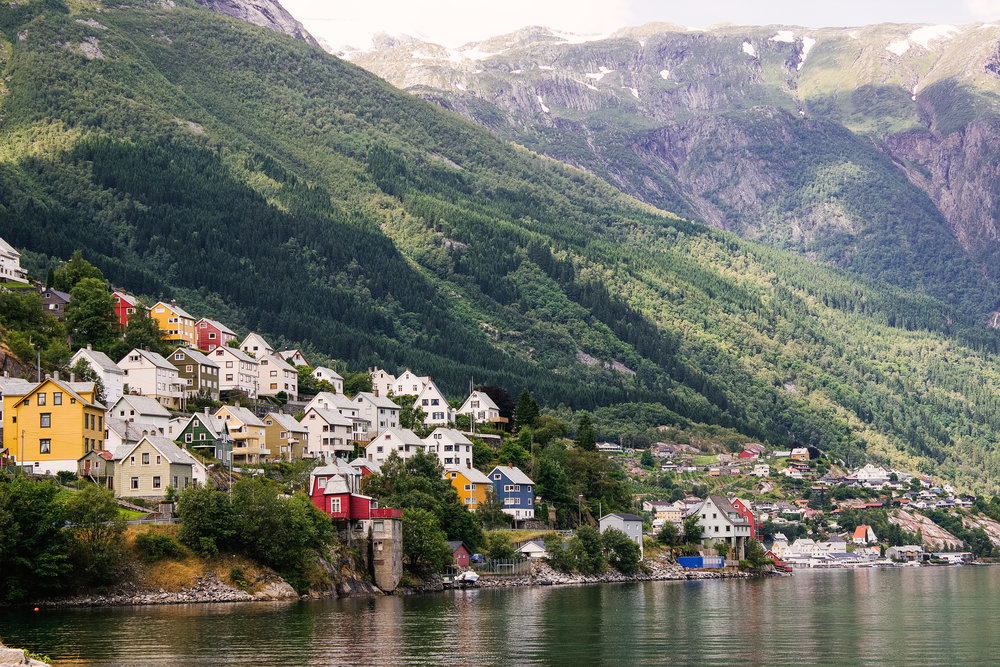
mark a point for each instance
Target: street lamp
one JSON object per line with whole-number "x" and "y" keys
{"x": 579, "y": 506}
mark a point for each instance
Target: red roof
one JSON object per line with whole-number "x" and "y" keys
{"x": 861, "y": 532}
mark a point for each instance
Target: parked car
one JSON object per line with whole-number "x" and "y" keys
{"x": 476, "y": 558}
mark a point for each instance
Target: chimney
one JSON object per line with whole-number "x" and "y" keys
{"x": 173, "y": 303}
{"x": 147, "y": 348}
{"x": 55, "y": 375}
{"x": 72, "y": 377}
{"x": 89, "y": 347}
{"x": 206, "y": 411}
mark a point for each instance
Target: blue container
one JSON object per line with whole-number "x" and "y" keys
{"x": 701, "y": 562}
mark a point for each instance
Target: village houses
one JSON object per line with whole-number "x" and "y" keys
{"x": 255, "y": 345}
{"x": 247, "y": 432}
{"x": 275, "y": 376}
{"x": 205, "y": 432}
{"x": 54, "y": 302}
{"x": 284, "y": 437}
{"x": 126, "y": 306}
{"x": 329, "y": 434}
{"x": 451, "y": 447}
{"x": 237, "y": 371}
{"x": 403, "y": 441}
{"x": 380, "y": 412}
{"x": 330, "y": 376}
{"x": 149, "y": 374}
{"x": 146, "y": 469}
{"x": 515, "y": 491}
{"x": 212, "y": 334}
{"x": 198, "y": 374}
{"x": 10, "y": 264}
{"x": 143, "y": 410}
{"x": 472, "y": 486}
{"x": 480, "y": 407}
{"x": 293, "y": 357}
{"x": 175, "y": 323}
{"x": 437, "y": 411}
{"x": 49, "y": 425}
{"x": 112, "y": 377}
{"x": 345, "y": 406}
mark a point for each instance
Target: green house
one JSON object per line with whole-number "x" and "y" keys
{"x": 208, "y": 434}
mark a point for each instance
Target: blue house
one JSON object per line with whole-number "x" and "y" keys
{"x": 515, "y": 491}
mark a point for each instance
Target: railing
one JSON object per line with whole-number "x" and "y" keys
{"x": 504, "y": 567}
{"x": 386, "y": 513}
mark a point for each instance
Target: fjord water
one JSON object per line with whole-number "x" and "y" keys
{"x": 908, "y": 615}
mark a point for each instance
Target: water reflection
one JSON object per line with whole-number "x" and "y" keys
{"x": 913, "y": 616}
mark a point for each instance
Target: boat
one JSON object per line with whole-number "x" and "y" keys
{"x": 467, "y": 578}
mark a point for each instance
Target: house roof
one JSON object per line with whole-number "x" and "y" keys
{"x": 338, "y": 400}
{"x": 144, "y": 405}
{"x": 260, "y": 338}
{"x": 62, "y": 295}
{"x": 125, "y": 296}
{"x": 212, "y": 423}
{"x": 129, "y": 431}
{"x": 513, "y": 474}
{"x": 329, "y": 416}
{"x": 195, "y": 355}
{"x": 623, "y": 517}
{"x": 861, "y": 531}
{"x": 218, "y": 325}
{"x": 242, "y": 414}
{"x": 487, "y": 402}
{"x": 377, "y": 401}
{"x": 406, "y": 435}
{"x": 15, "y": 386}
{"x": 284, "y": 354}
{"x": 328, "y": 371}
{"x": 474, "y": 476}
{"x": 152, "y": 357}
{"x": 362, "y": 462}
{"x": 287, "y": 422}
{"x": 531, "y": 545}
{"x": 454, "y": 545}
{"x": 337, "y": 484}
{"x": 165, "y": 446}
{"x": 174, "y": 307}
{"x": 726, "y": 508}
{"x": 100, "y": 359}
{"x": 239, "y": 354}
{"x": 72, "y": 388}
{"x": 457, "y": 437}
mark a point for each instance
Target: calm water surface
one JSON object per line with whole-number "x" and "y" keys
{"x": 913, "y": 616}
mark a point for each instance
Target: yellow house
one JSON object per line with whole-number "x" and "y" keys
{"x": 177, "y": 326}
{"x": 51, "y": 424}
{"x": 284, "y": 437}
{"x": 471, "y": 485}
{"x": 247, "y": 432}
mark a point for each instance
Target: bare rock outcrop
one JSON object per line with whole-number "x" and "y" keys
{"x": 266, "y": 13}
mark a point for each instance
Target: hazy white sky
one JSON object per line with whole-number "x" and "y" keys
{"x": 455, "y": 22}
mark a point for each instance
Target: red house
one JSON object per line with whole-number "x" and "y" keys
{"x": 747, "y": 454}
{"x": 212, "y": 334}
{"x": 125, "y": 305}
{"x": 330, "y": 490}
{"x": 460, "y": 553}
{"x": 744, "y": 509}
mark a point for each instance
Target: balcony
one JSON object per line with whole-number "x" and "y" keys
{"x": 386, "y": 513}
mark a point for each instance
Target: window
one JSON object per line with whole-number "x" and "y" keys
{"x": 334, "y": 505}
{"x": 45, "y": 446}
{"x": 188, "y": 437}
{"x": 135, "y": 483}
{"x": 41, "y": 398}
{"x": 229, "y": 377}
{"x": 468, "y": 487}
{"x": 229, "y": 364}
{"x": 131, "y": 460}
{"x": 157, "y": 459}
{"x": 156, "y": 481}
{"x": 45, "y": 420}
{"x": 180, "y": 357}
{"x": 189, "y": 368}
{"x": 497, "y": 476}
{"x": 211, "y": 335}
{"x": 175, "y": 481}
{"x": 145, "y": 458}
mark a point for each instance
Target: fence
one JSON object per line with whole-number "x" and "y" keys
{"x": 504, "y": 567}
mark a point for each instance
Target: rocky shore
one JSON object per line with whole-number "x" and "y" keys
{"x": 657, "y": 570}
{"x": 206, "y": 589}
{"x": 10, "y": 657}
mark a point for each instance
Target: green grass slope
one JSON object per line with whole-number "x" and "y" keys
{"x": 260, "y": 180}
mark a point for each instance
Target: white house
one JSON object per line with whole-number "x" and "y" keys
{"x": 329, "y": 434}
{"x": 761, "y": 470}
{"x": 872, "y": 475}
{"x": 721, "y": 522}
{"x": 380, "y": 412}
{"x": 452, "y": 448}
{"x": 255, "y": 345}
{"x": 237, "y": 370}
{"x": 400, "y": 440}
{"x": 112, "y": 377}
{"x": 324, "y": 374}
{"x": 294, "y": 357}
{"x": 383, "y": 382}
{"x": 10, "y": 264}
{"x": 409, "y": 384}
{"x": 345, "y": 406}
{"x": 533, "y": 549}
{"x": 435, "y": 406}
{"x": 630, "y": 524}
{"x": 149, "y": 374}
{"x": 480, "y": 407}
{"x": 275, "y": 375}
{"x": 141, "y": 410}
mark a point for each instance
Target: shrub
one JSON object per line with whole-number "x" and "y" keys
{"x": 587, "y": 549}
{"x": 153, "y": 548}
{"x": 498, "y": 546}
{"x": 623, "y": 553}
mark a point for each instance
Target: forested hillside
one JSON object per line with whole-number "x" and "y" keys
{"x": 872, "y": 148}
{"x": 262, "y": 181}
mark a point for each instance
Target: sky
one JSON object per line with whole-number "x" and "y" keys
{"x": 456, "y": 22}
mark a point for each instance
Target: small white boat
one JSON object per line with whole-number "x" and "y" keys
{"x": 467, "y": 578}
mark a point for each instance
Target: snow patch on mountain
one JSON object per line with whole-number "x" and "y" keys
{"x": 786, "y": 36}
{"x": 807, "y": 44}
{"x": 898, "y": 47}
{"x": 924, "y": 36}
{"x": 749, "y": 50}
{"x": 597, "y": 76}
{"x": 664, "y": 74}
{"x": 541, "y": 103}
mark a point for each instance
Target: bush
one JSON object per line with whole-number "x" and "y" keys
{"x": 498, "y": 546}
{"x": 558, "y": 556}
{"x": 65, "y": 477}
{"x": 587, "y": 550}
{"x": 668, "y": 535}
{"x": 623, "y": 553}
{"x": 153, "y": 548}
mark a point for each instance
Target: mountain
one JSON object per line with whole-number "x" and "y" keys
{"x": 268, "y": 184}
{"x": 873, "y": 149}
{"x": 266, "y": 13}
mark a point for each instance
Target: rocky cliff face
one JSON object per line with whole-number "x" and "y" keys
{"x": 266, "y": 13}
{"x": 872, "y": 148}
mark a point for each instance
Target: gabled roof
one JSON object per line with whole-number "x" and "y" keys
{"x": 483, "y": 397}
{"x": 454, "y": 545}
{"x": 407, "y": 436}
{"x": 623, "y": 517}
{"x": 362, "y": 462}
{"x": 726, "y": 509}
{"x": 143, "y": 405}
{"x": 861, "y": 532}
{"x": 473, "y": 475}
{"x": 62, "y": 295}
{"x": 218, "y": 325}
{"x": 328, "y": 371}
{"x": 174, "y": 307}
{"x": 99, "y": 359}
{"x": 241, "y": 414}
{"x": 196, "y": 356}
{"x": 15, "y": 386}
{"x": 285, "y": 354}
{"x": 377, "y": 401}
{"x": 152, "y": 357}
{"x": 329, "y": 416}
{"x": 513, "y": 474}
{"x": 255, "y": 335}
{"x": 72, "y": 388}
{"x": 126, "y": 297}
{"x": 338, "y": 400}
{"x": 8, "y": 248}
{"x": 213, "y": 424}
{"x": 165, "y": 446}
{"x": 337, "y": 485}
{"x": 287, "y": 422}
{"x": 129, "y": 431}
{"x": 239, "y": 354}
{"x": 275, "y": 360}
{"x": 456, "y": 437}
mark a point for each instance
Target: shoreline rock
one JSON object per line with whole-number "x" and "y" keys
{"x": 9, "y": 657}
